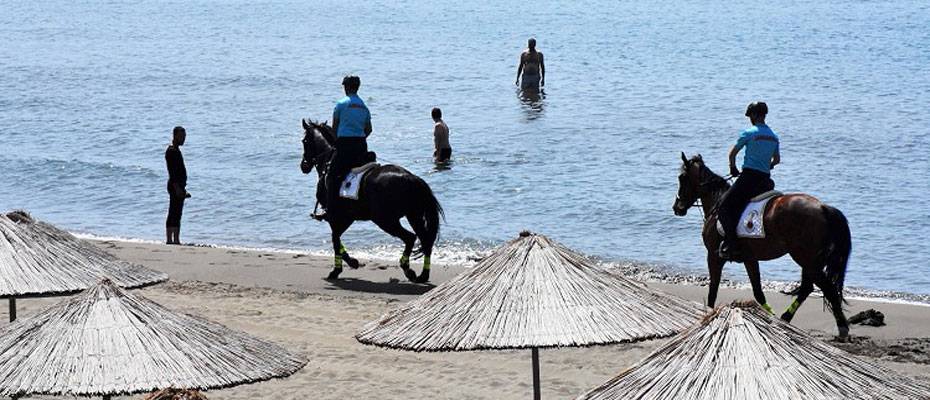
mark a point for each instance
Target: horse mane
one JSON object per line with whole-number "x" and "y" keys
{"x": 325, "y": 130}
{"x": 714, "y": 181}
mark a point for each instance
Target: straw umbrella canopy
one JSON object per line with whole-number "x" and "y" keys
{"x": 38, "y": 259}
{"x": 107, "y": 342}
{"x": 531, "y": 293}
{"x": 742, "y": 352}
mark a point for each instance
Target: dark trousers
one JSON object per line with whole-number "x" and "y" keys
{"x": 750, "y": 183}
{"x": 175, "y": 209}
{"x": 351, "y": 152}
{"x": 444, "y": 155}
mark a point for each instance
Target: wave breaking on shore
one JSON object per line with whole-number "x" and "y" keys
{"x": 467, "y": 254}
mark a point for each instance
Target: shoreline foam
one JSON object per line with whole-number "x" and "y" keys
{"x": 642, "y": 271}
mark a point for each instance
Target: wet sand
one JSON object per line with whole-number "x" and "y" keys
{"x": 283, "y": 297}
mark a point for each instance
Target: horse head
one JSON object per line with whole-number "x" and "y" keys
{"x": 689, "y": 184}
{"x": 318, "y": 141}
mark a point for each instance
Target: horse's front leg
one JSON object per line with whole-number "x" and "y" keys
{"x": 715, "y": 270}
{"x": 752, "y": 270}
{"x": 338, "y": 228}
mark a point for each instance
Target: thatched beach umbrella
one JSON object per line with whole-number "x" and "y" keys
{"x": 38, "y": 259}
{"x": 741, "y": 352}
{"x": 107, "y": 342}
{"x": 531, "y": 293}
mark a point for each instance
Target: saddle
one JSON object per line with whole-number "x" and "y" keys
{"x": 750, "y": 225}
{"x": 351, "y": 185}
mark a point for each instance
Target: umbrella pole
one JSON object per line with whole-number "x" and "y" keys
{"x": 12, "y": 309}
{"x": 536, "y": 389}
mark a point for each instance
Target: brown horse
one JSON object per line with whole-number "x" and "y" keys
{"x": 814, "y": 234}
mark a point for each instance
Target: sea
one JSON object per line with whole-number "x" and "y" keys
{"x": 90, "y": 91}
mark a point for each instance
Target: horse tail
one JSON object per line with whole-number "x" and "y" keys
{"x": 839, "y": 246}
{"x": 431, "y": 212}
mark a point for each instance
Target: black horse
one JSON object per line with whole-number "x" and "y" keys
{"x": 387, "y": 194}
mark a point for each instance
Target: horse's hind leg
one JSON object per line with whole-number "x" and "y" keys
{"x": 836, "y": 304}
{"x": 807, "y": 286}
{"x": 419, "y": 227}
{"x": 394, "y": 228}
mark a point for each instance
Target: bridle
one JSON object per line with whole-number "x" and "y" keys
{"x": 321, "y": 160}
{"x": 704, "y": 180}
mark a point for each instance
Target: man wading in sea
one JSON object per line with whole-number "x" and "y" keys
{"x": 177, "y": 185}
{"x": 443, "y": 151}
{"x": 352, "y": 123}
{"x": 532, "y": 69}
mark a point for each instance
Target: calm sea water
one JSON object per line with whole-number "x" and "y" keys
{"x": 89, "y": 92}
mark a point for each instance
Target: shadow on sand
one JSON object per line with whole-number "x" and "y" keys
{"x": 393, "y": 287}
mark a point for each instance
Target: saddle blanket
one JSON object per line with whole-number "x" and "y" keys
{"x": 353, "y": 182}
{"x": 750, "y": 224}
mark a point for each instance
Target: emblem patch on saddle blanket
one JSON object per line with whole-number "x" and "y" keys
{"x": 353, "y": 182}
{"x": 750, "y": 224}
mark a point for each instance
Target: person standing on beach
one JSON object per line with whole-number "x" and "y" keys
{"x": 177, "y": 185}
{"x": 762, "y": 154}
{"x": 443, "y": 150}
{"x": 531, "y": 73}
{"x": 352, "y": 123}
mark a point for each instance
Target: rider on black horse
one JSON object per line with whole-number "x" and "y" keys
{"x": 352, "y": 124}
{"x": 761, "y": 144}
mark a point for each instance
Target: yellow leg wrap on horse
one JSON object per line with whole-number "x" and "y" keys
{"x": 793, "y": 307}
{"x": 426, "y": 263}
{"x": 337, "y": 261}
{"x": 404, "y": 260}
{"x": 768, "y": 308}
{"x": 342, "y": 250}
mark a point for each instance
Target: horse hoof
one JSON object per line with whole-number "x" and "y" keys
{"x": 844, "y": 334}
{"x": 787, "y": 317}
{"x": 411, "y": 276}
{"x": 353, "y": 263}
{"x": 424, "y": 277}
{"x": 334, "y": 274}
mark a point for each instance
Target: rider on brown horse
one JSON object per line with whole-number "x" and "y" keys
{"x": 761, "y": 144}
{"x": 352, "y": 124}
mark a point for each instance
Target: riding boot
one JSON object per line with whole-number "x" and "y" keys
{"x": 729, "y": 246}
{"x": 321, "y": 201}
{"x": 331, "y": 195}
{"x": 729, "y": 250}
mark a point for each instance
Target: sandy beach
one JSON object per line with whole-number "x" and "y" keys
{"x": 283, "y": 297}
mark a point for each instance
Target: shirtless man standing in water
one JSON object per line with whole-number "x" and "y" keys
{"x": 443, "y": 151}
{"x": 532, "y": 68}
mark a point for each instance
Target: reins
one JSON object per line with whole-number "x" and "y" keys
{"x": 705, "y": 182}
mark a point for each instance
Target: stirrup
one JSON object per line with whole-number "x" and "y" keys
{"x": 319, "y": 216}
{"x": 729, "y": 253}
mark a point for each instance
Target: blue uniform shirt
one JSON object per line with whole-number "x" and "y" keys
{"x": 761, "y": 145}
{"x": 353, "y": 115}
